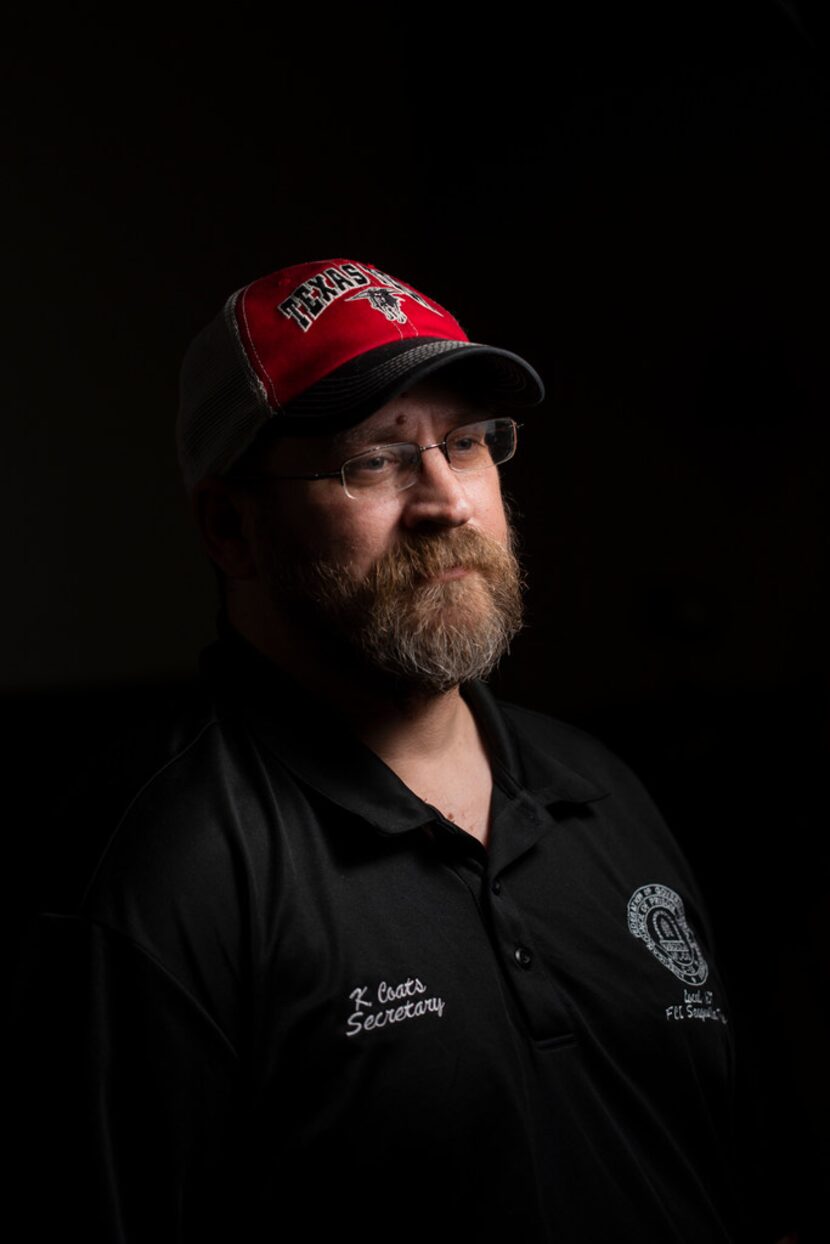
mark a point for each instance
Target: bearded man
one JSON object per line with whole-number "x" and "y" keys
{"x": 367, "y": 954}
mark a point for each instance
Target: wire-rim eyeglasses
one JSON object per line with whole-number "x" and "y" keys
{"x": 395, "y": 467}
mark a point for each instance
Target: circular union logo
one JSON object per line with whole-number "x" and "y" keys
{"x": 656, "y": 916}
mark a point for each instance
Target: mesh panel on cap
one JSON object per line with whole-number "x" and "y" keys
{"x": 222, "y": 402}
{"x": 347, "y": 389}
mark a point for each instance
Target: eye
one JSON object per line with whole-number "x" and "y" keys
{"x": 465, "y": 443}
{"x": 374, "y": 463}
{"x": 469, "y": 443}
{"x": 381, "y": 463}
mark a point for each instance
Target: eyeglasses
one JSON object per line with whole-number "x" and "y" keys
{"x": 393, "y": 468}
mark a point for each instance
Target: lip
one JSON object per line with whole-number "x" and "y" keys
{"x": 455, "y": 572}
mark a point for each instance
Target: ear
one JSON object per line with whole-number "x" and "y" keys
{"x": 223, "y": 516}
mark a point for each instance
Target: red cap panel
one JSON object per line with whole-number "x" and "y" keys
{"x": 302, "y": 323}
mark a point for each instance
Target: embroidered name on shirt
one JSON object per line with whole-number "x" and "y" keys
{"x": 373, "y": 1011}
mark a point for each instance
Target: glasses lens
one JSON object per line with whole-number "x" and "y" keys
{"x": 480, "y": 445}
{"x": 391, "y": 468}
{"x": 388, "y": 467}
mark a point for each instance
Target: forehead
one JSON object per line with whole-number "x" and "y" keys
{"x": 429, "y": 404}
{"x": 424, "y": 413}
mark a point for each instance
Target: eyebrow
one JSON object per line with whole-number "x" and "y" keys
{"x": 393, "y": 433}
{"x": 355, "y": 439}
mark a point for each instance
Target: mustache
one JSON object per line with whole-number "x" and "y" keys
{"x": 416, "y": 559}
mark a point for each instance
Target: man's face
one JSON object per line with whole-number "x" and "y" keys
{"x": 421, "y": 583}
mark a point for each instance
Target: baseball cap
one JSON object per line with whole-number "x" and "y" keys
{"x": 320, "y": 346}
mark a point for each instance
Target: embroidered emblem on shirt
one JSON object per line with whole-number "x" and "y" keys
{"x": 656, "y": 916}
{"x": 390, "y": 1004}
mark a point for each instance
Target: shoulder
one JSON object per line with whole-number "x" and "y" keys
{"x": 159, "y": 815}
{"x": 561, "y": 761}
{"x": 545, "y": 744}
{"x": 157, "y": 768}
{"x": 530, "y": 725}
{"x": 160, "y": 845}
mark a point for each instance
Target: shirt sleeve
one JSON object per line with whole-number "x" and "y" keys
{"x": 128, "y": 1095}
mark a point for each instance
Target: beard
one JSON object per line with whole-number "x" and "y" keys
{"x": 401, "y": 620}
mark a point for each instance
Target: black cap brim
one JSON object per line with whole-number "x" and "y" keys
{"x": 359, "y": 388}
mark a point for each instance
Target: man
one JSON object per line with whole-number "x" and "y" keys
{"x": 366, "y": 954}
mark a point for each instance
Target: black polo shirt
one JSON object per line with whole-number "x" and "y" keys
{"x": 293, "y": 992}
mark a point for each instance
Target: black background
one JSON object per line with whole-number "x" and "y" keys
{"x": 638, "y": 203}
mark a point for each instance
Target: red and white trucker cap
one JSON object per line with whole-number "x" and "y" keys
{"x": 320, "y": 346}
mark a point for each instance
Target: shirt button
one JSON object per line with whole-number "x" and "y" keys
{"x": 523, "y": 956}
{"x": 496, "y": 886}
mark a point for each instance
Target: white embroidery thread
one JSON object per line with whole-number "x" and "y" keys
{"x": 657, "y": 917}
{"x": 406, "y": 996}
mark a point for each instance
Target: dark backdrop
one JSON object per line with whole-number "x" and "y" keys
{"x": 639, "y": 205}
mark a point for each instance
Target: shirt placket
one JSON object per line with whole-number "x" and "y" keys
{"x": 536, "y": 999}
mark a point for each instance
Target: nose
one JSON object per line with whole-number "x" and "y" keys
{"x": 438, "y": 496}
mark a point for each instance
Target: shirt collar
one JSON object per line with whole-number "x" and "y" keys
{"x": 319, "y": 746}
{"x": 520, "y": 758}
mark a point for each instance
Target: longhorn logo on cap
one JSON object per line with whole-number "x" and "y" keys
{"x": 385, "y": 300}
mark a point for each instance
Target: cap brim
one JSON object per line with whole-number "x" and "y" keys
{"x": 362, "y": 386}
